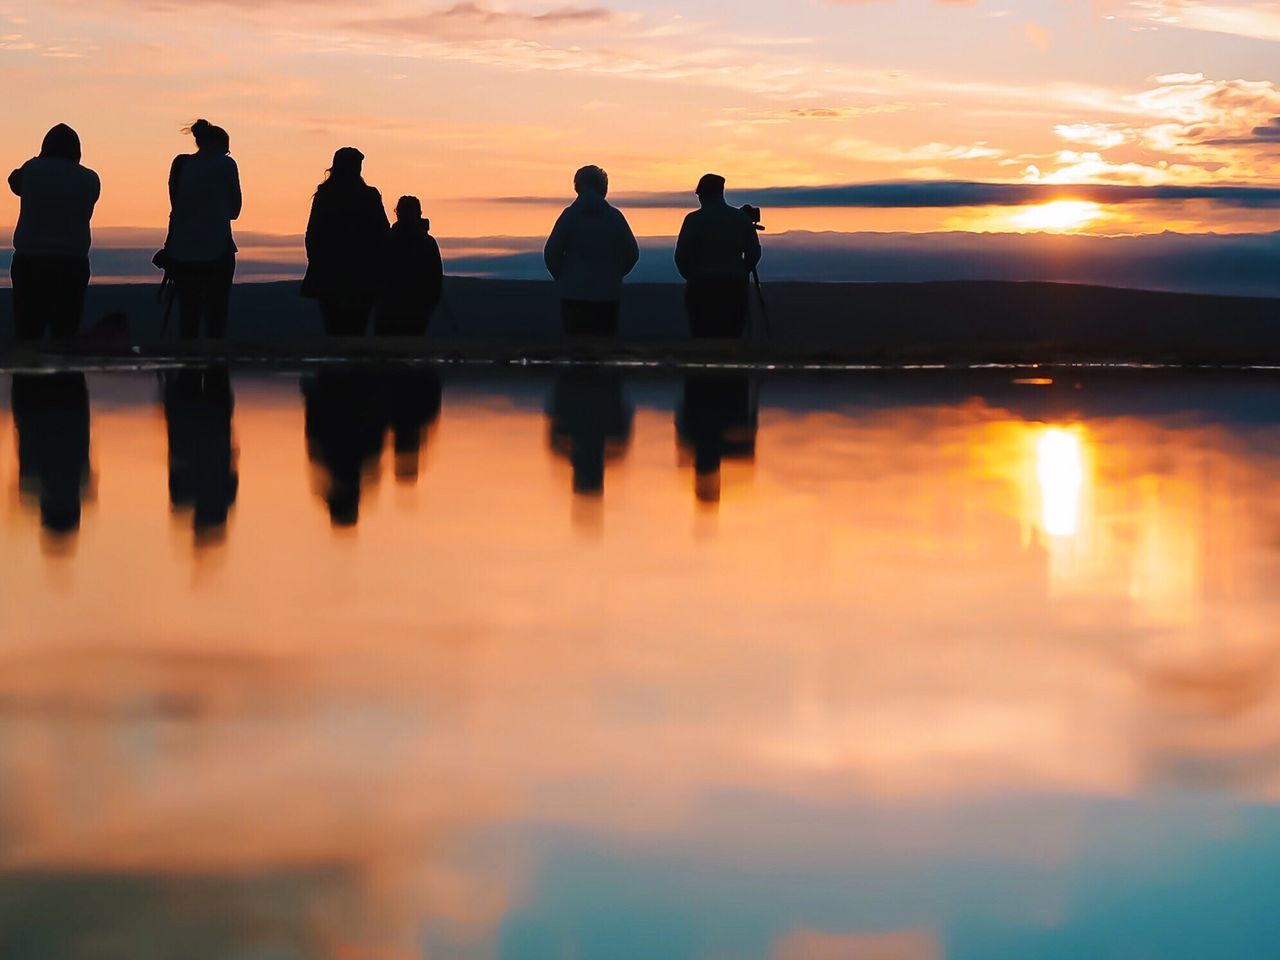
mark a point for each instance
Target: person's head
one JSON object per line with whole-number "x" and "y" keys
{"x": 209, "y": 137}
{"x": 591, "y": 180}
{"x": 348, "y": 164}
{"x": 711, "y": 189}
{"x": 61, "y": 143}
{"x": 408, "y": 210}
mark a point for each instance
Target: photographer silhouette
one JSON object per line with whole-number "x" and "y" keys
{"x": 718, "y": 250}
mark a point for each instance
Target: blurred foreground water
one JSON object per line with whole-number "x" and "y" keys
{"x": 393, "y": 662}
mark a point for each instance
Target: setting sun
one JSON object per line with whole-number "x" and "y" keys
{"x": 1060, "y": 215}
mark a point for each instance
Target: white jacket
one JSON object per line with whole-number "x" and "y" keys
{"x": 590, "y": 250}
{"x": 58, "y": 197}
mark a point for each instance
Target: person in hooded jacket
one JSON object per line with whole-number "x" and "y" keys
{"x": 590, "y": 250}
{"x": 414, "y": 278}
{"x": 50, "y": 268}
{"x": 346, "y": 244}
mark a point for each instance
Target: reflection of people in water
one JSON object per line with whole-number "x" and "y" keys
{"x": 717, "y": 421}
{"x": 349, "y": 412}
{"x": 412, "y": 403}
{"x": 590, "y": 424}
{"x": 202, "y": 456}
{"x": 51, "y": 415}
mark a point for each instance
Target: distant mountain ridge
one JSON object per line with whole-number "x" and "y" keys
{"x": 1227, "y": 264}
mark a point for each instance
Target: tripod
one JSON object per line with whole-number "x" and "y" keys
{"x": 765, "y": 325}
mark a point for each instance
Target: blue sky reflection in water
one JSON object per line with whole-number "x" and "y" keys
{"x": 937, "y": 667}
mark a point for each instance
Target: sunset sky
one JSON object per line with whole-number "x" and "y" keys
{"x": 463, "y": 101}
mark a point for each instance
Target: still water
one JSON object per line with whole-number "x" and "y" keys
{"x": 398, "y": 663}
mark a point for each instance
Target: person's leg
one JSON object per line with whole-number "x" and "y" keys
{"x": 344, "y": 319}
{"x": 70, "y": 280}
{"x": 28, "y": 316}
{"x": 605, "y": 318}
{"x": 700, "y": 303}
{"x": 188, "y": 290}
{"x": 218, "y": 296}
{"x": 571, "y": 318}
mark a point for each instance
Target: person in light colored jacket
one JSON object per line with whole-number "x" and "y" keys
{"x": 204, "y": 193}
{"x": 590, "y": 250}
{"x": 50, "y": 268}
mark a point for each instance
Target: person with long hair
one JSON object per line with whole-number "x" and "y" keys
{"x": 346, "y": 242}
{"x": 50, "y": 268}
{"x": 204, "y": 197}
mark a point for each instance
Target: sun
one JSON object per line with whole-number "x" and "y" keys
{"x": 1058, "y": 216}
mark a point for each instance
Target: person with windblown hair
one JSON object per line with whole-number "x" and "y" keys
{"x": 50, "y": 268}
{"x": 590, "y": 250}
{"x": 346, "y": 242}
{"x": 204, "y": 197}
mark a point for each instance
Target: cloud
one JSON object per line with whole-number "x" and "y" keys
{"x": 469, "y": 20}
{"x": 939, "y": 194}
{"x": 1258, "y": 19}
{"x": 1267, "y": 134}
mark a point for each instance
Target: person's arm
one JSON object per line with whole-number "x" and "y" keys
{"x": 175, "y": 176}
{"x": 629, "y": 249}
{"x": 95, "y": 191}
{"x": 236, "y": 198}
{"x": 434, "y": 273}
{"x": 15, "y": 182}
{"x": 312, "y": 239}
{"x": 751, "y": 254}
{"x": 684, "y": 249}
{"x": 553, "y": 251}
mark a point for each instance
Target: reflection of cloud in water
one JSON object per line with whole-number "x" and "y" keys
{"x": 876, "y": 626}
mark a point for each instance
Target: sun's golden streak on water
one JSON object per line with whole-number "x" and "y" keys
{"x": 1060, "y": 471}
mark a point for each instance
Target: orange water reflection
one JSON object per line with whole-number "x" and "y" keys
{"x": 919, "y": 604}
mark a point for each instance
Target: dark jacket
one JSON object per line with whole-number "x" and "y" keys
{"x": 590, "y": 250}
{"x": 717, "y": 241}
{"x": 346, "y": 242}
{"x": 414, "y": 271}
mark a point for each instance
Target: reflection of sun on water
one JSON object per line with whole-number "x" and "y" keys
{"x": 1059, "y": 215}
{"x": 1060, "y": 469}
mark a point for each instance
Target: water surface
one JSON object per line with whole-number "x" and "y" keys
{"x": 395, "y": 662}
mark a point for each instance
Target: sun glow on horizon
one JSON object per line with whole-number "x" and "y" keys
{"x": 1059, "y": 216}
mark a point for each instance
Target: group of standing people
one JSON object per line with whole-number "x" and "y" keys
{"x": 361, "y": 268}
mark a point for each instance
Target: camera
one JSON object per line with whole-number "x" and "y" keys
{"x": 752, "y": 214}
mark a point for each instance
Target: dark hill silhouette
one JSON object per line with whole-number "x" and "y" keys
{"x": 894, "y": 323}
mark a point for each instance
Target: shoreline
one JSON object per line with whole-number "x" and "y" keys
{"x": 879, "y": 325}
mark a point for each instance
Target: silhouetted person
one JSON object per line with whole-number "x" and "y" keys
{"x": 716, "y": 252}
{"x": 716, "y": 421}
{"x": 590, "y": 250}
{"x": 411, "y": 400}
{"x": 345, "y": 426}
{"x": 590, "y": 424}
{"x": 198, "y": 404}
{"x": 346, "y": 246}
{"x": 50, "y": 269}
{"x": 204, "y": 197}
{"x": 414, "y": 278}
{"x": 51, "y": 416}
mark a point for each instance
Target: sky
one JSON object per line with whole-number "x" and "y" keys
{"x": 484, "y": 108}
